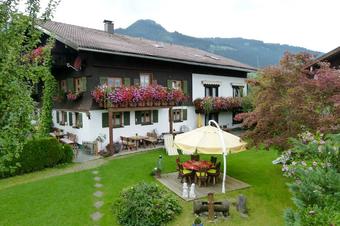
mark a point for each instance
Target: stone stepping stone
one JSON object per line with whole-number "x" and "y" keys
{"x": 95, "y": 172}
{"x": 97, "y": 185}
{"x": 96, "y": 216}
{"x": 98, "y": 194}
{"x": 97, "y": 178}
{"x": 98, "y": 204}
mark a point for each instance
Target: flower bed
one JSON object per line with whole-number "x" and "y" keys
{"x": 216, "y": 104}
{"x": 133, "y": 96}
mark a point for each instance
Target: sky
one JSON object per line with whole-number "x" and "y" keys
{"x": 312, "y": 24}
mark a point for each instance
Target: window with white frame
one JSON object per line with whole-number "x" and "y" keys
{"x": 145, "y": 79}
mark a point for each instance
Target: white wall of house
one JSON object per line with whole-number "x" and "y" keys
{"x": 224, "y": 90}
{"x": 92, "y": 127}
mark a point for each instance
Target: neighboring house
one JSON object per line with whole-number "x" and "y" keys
{"x": 84, "y": 58}
{"x": 332, "y": 57}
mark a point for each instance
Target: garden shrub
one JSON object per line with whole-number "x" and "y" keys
{"x": 145, "y": 204}
{"x": 313, "y": 162}
{"x": 42, "y": 152}
{"x": 68, "y": 153}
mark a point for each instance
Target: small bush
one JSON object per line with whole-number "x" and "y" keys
{"x": 68, "y": 153}
{"x": 145, "y": 204}
{"x": 39, "y": 153}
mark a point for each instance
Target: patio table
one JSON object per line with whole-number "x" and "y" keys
{"x": 138, "y": 139}
{"x": 197, "y": 165}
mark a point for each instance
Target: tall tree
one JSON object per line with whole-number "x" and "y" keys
{"x": 288, "y": 100}
{"x": 21, "y": 66}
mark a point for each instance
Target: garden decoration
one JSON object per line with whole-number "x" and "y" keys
{"x": 159, "y": 166}
{"x": 202, "y": 206}
{"x": 241, "y": 205}
{"x": 185, "y": 191}
{"x": 192, "y": 193}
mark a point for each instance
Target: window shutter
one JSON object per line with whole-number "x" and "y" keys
{"x": 80, "y": 120}
{"x": 169, "y": 84}
{"x": 185, "y": 114}
{"x": 126, "y": 118}
{"x": 70, "y": 119}
{"x": 136, "y": 82}
{"x": 58, "y": 120}
{"x": 105, "y": 119}
{"x": 102, "y": 80}
{"x": 65, "y": 116}
{"x": 70, "y": 84}
{"x": 83, "y": 84}
{"x": 127, "y": 82}
{"x": 138, "y": 117}
{"x": 185, "y": 87}
{"x": 155, "y": 115}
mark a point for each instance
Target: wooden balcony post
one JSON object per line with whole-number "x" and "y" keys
{"x": 110, "y": 131}
{"x": 171, "y": 119}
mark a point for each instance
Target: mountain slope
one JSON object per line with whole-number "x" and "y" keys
{"x": 253, "y": 52}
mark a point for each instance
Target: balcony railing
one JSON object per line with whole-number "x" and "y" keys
{"x": 217, "y": 104}
{"x": 135, "y": 96}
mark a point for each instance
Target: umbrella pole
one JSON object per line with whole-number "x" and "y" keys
{"x": 224, "y": 151}
{"x": 224, "y": 172}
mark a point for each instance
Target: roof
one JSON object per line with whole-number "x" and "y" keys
{"x": 88, "y": 39}
{"x": 325, "y": 57}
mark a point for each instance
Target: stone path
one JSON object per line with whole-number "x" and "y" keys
{"x": 98, "y": 194}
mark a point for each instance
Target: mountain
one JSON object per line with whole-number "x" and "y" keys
{"x": 253, "y": 52}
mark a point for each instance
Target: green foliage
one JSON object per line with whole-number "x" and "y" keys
{"x": 287, "y": 100}
{"x": 146, "y": 204}
{"x": 68, "y": 153}
{"x": 314, "y": 163}
{"x": 20, "y": 70}
{"x": 41, "y": 152}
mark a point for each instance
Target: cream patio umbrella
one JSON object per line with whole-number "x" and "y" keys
{"x": 210, "y": 140}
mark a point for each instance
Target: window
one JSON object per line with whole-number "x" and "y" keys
{"x": 114, "y": 82}
{"x": 145, "y": 79}
{"x": 211, "y": 116}
{"x": 179, "y": 115}
{"x": 119, "y": 119}
{"x": 146, "y": 117}
{"x": 78, "y": 120}
{"x": 211, "y": 90}
{"x": 63, "y": 85}
{"x": 237, "y": 91}
{"x": 77, "y": 85}
{"x": 177, "y": 84}
{"x": 63, "y": 118}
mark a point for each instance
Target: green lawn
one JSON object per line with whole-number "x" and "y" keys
{"x": 68, "y": 199}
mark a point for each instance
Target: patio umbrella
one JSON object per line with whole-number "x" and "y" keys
{"x": 210, "y": 140}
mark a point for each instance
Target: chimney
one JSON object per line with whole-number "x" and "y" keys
{"x": 108, "y": 26}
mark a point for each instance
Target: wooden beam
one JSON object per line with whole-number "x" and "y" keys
{"x": 137, "y": 108}
{"x": 171, "y": 120}
{"x": 110, "y": 131}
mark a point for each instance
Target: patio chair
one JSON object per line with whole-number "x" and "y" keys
{"x": 201, "y": 176}
{"x": 213, "y": 160}
{"x": 127, "y": 143}
{"x": 195, "y": 157}
{"x": 151, "y": 139}
{"x": 184, "y": 173}
{"x": 214, "y": 173}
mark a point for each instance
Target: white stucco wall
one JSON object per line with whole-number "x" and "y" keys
{"x": 93, "y": 127}
{"x": 224, "y": 90}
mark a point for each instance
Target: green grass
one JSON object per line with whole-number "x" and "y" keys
{"x": 68, "y": 199}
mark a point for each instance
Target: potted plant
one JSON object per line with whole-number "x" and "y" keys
{"x": 197, "y": 222}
